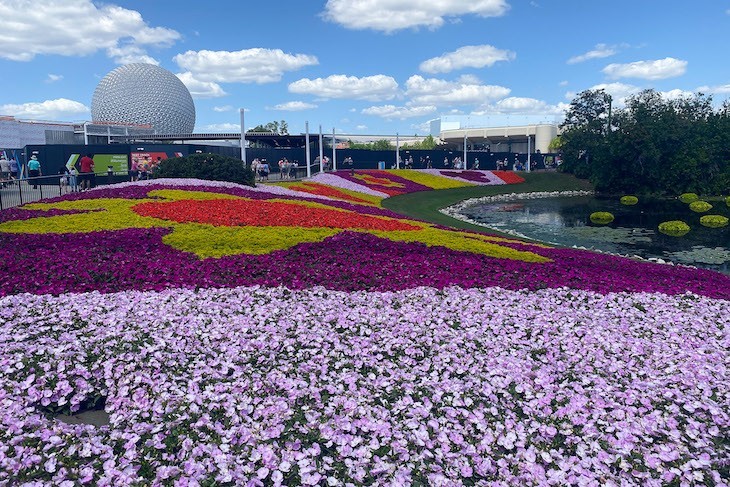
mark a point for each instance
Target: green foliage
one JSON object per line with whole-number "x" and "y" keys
{"x": 714, "y": 221}
{"x": 653, "y": 145}
{"x": 688, "y": 197}
{"x": 674, "y": 228}
{"x": 281, "y": 128}
{"x": 556, "y": 144}
{"x": 383, "y": 144}
{"x": 700, "y": 206}
{"x": 601, "y": 217}
{"x": 727, "y": 201}
{"x": 629, "y": 200}
{"x": 212, "y": 167}
{"x": 427, "y": 143}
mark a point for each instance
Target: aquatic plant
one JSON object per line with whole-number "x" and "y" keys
{"x": 700, "y": 206}
{"x": 674, "y": 228}
{"x": 714, "y": 221}
{"x": 629, "y": 200}
{"x": 602, "y": 217}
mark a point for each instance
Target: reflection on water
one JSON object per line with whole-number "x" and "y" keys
{"x": 565, "y": 221}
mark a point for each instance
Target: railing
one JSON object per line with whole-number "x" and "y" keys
{"x": 18, "y": 192}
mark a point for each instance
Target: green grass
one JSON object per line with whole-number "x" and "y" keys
{"x": 426, "y": 205}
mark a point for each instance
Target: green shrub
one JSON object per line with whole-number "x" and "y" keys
{"x": 688, "y": 197}
{"x": 714, "y": 221}
{"x": 700, "y": 206}
{"x": 211, "y": 167}
{"x": 727, "y": 201}
{"x": 629, "y": 200}
{"x": 674, "y": 228}
{"x": 601, "y": 217}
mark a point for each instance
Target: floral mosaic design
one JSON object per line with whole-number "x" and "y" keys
{"x": 293, "y": 335}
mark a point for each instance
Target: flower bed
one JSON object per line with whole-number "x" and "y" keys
{"x": 509, "y": 177}
{"x": 205, "y": 236}
{"x": 267, "y": 336}
{"x": 254, "y": 386}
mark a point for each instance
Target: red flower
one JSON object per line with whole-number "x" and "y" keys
{"x": 509, "y": 177}
{"x": 261, "y": 213}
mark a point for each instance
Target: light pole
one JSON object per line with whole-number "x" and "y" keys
{"x": 243, "y": 139}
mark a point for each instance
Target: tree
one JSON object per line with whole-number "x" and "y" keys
{"x": 584, "y": 131}
{"x": 653, "y": 144}
{"x": 281, "y": 128}
{"x": 428, "y": 143}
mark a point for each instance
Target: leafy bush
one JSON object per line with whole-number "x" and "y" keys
{"x": 727, "y": 201}
{"x": 688, "y": 197}
{"x": 700, "y": 206}
{"x": 629, "y": 200}
{"x": 674, "y": 228}
{"x": 714, "y": 221}
{"x": 602, "y": 217}
{"x": 211, "y": 167}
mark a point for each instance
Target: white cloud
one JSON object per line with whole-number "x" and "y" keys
{"x": 466, "y": 57}
{"x": 521, "y": 106}
{"x": 72, "y": 28}
{"x": 201, "y": 89}
{"x": 57, "y": 109}
{"x": 563, "y": 83}
{"x": 255, "y": 65}
{"x": 294, "y": 106}
{"x": 716, "y": 90}
{"x": 676, "y": 94}
{"x": 52, "y": 78}
{"x": 465, "y": 91}
{"x": 393, "y": 15}
{"x": 657, "y": 69}
{"x": 130, "y": 54}
{"x": 220, "y": 128}
{"x": 599, "y": 51}
{"x": 619, "y": 92}
{"x": 373, "y": 88}
{"x": 224, "y": 108}
{"x": 362, "y": 127}
{"x": 392, "y": 111}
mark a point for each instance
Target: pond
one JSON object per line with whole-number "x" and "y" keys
{"x": 565, "y": 221}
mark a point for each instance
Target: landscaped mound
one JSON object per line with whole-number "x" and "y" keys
{"x": 179, "y": 233}
{"x": 307, "y": 336}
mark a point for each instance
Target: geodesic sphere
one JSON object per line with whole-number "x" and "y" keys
{"x": 144, "y": 94}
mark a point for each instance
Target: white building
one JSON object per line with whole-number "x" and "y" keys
{"x": 501, "y": 133}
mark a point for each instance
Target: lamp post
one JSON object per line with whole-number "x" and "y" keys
{"x": 243, "y": 139}
{"x": 306, "y": 144}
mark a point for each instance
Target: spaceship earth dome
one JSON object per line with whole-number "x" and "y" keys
{"x": 144, "y": 94}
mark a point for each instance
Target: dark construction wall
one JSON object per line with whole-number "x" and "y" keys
{"x": 54, "y": 157}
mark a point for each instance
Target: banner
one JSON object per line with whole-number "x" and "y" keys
{"x": 117, "y": 162}
{"x": 148, "y": 159}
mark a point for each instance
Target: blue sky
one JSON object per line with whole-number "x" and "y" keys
{"x": 362, "y": 66}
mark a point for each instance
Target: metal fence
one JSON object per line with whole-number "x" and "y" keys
{"x": 27, "y": 190}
